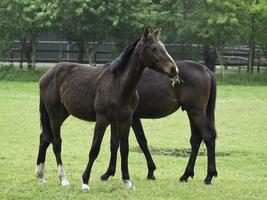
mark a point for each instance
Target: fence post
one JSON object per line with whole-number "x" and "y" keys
{"x": 68, "y": 51}
{"x": 11, "y": 57}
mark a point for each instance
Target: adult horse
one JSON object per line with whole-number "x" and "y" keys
{"x": 196, "y": 94}
{"x": 106, "y": 95}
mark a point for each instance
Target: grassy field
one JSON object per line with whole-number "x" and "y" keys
{"x": 241, "y": 151}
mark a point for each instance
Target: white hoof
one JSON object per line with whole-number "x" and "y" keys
{"x": 129, "y": 184}
{"x": 62, "y": 176}
{"x": 39, "y": 173}
{"x": 85, "y": 187}
{"x": 64, "y": 182}
{"x": 41, "y": 180}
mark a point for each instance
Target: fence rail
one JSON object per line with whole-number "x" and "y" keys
{"x": 56, "y": 51}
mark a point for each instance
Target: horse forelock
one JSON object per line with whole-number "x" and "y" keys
{"x": 120, "y": 62}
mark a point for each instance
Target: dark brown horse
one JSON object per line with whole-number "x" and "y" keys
{"x": 106, "y": 95}
{"x": 196, "y": 94}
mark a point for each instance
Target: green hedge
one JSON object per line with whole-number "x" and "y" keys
{"x": 10, "y": 73}
{"x": 231, "y": 77}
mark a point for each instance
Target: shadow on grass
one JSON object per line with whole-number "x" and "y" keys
{"x": 186, "y": 152}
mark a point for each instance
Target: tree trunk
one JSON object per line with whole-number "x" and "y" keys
{"x": 21, "y": 55}
{"x": 60, "y": 51}
{"x": 27, "y": 49}
{"x": 219, "y": 55}
{"x": 90, "y": 53}
{"x": 33, "y": 54}
{"x": 21, "y": 59}
{"x": 210, "y": 57}
{"x": 81, "y": 52}
{"x": 251, "y": 54}
{"x": 258, "y": 66}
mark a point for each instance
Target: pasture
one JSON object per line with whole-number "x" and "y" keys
{"x": 241, "y": 151}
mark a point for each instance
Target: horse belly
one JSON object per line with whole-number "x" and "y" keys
{"x": 156, "y": 109}
{"x": 84, "y": 113}
{"x": 79, "y": 106}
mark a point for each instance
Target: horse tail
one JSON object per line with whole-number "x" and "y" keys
{"x": 211, "y": 104}
{"x": 45, "y": 122}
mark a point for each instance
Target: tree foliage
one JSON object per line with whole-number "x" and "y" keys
{"x": 24, "y": 20}
{"x": 211, "y": 23}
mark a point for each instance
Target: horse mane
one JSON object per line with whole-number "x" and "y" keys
{"x": 122, "y": 60}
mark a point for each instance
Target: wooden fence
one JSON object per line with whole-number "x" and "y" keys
{"x": 55, "y": 51}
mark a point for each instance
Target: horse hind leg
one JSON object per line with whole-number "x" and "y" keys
{"x": 209, "y": 140}
{"x": 195, "y": 142}
{"x": 45, "y": 141}
{"x": 208, "y": 136}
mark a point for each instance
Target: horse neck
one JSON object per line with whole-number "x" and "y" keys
{"x": 131, "y": 75}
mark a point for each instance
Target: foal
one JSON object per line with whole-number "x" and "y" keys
{"x": 106, "y": 95}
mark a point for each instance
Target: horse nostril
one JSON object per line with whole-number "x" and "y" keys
{"x": 174, "y": 71}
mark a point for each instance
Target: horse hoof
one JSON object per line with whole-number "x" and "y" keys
{"x": 183, "y": 179}
{"x": 104, "y": 177}
{"x": 207, "y": 181}
{"x": 41, "y": 181}
{"x": 39, "y": 173}
{"x": 209, "y": 177}
{"x": 129, "y": 184}
{"x": 85, "y": 187}
{"x": 151, "y": 177}
{"x": 64, "y": 183}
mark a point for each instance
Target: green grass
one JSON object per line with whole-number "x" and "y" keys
{"x": 241, "y": 151}
{"x": 231, "y": 77}
{"x": 9, "y": 73}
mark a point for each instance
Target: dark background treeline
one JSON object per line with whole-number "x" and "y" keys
{"x": 203, "y": 30}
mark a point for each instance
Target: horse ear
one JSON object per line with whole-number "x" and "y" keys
{"x": 156, "y": 32}
{"x": 146, "y": 32}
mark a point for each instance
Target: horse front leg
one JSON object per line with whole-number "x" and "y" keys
{"x": 100, "y": 128}
{"x": 114, "y": 145}
{"x": 142, "y": 141}
{"x": 124, "y": 128}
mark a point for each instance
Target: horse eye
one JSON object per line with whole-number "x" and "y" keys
{"x": 154, "y": 49}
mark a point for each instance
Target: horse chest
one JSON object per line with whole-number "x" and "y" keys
{"x": 118, "y": 109}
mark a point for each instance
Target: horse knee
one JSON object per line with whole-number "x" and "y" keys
{"x": 209, "y": 141}
{"x": 195, "y": 142}
{"x": 45, "y": 138}
{"x": 94, "y": 153}
{"x": 114, "y": 148}
{"x": 142, "y": 139}
{"x": 44, "y": 145}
